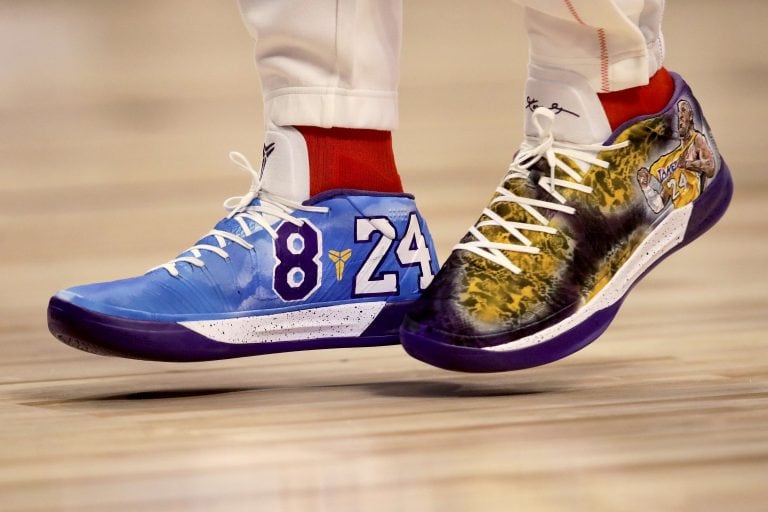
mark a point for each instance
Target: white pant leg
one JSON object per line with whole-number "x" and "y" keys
{"x": 615, "y": 44}
{"x": 327, "y": 62}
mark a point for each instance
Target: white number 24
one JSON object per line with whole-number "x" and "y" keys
{"x": 411, "y": 250}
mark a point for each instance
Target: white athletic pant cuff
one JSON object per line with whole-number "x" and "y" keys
{"x": 623, "y": 72}
{"x": 614, "y": 44}
{"x": 329, "y": 107}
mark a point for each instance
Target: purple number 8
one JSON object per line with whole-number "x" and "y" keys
{"x": 297, "y": 250}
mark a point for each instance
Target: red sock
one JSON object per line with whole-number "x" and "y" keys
{"x": 621, "y": 106}
{"x": 350, "y": 158}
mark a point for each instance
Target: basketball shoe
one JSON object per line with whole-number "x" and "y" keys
{"x": 276, "y": 274}
{"x": 583, "y": 213}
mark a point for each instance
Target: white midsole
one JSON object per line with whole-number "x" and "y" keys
{"x": 343, "y": 320}
{"x": 664, "y": 237}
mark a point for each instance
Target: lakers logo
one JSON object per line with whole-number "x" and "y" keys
{"x": 339, "y": 258}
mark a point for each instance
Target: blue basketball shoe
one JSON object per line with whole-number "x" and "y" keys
{"x": 583, "y": 213}
{"x": 275, "y": 275}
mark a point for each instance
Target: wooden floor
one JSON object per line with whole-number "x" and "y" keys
{"x": 115, "y": 121}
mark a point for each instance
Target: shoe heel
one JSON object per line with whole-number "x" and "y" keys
{"x": 387, "y": 322}
{"x": 711, "y": 205}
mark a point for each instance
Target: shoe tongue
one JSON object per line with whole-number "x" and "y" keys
{"x": 285, "y": 164}
{"x": 579, "y": 115}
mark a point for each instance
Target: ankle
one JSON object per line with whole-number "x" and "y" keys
{"x": 621, "y": 106}
{"x": 349, "y": 158}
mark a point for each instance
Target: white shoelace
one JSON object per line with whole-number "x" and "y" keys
{"x": 241, "y": 210}
{"x": 528, "y": 155}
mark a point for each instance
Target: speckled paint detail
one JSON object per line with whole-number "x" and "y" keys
{"x": 342, "y": 320}
{"x": 475, "y": 303}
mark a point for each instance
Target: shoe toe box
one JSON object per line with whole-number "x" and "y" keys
{"x": 147, "y": 297}
{"x": 475, "y": 303}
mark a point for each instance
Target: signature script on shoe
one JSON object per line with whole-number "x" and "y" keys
{"x": 532, "y": 104}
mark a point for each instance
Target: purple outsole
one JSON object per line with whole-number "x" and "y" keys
{"x": 167, "y": 341}
{"x": 707, "y": 210}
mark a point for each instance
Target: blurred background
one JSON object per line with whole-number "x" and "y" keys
{"x": 115, "y": 122}
{"x": 116, "y": 119}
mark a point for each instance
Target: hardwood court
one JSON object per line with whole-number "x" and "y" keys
{"x": 116, "y": 118}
